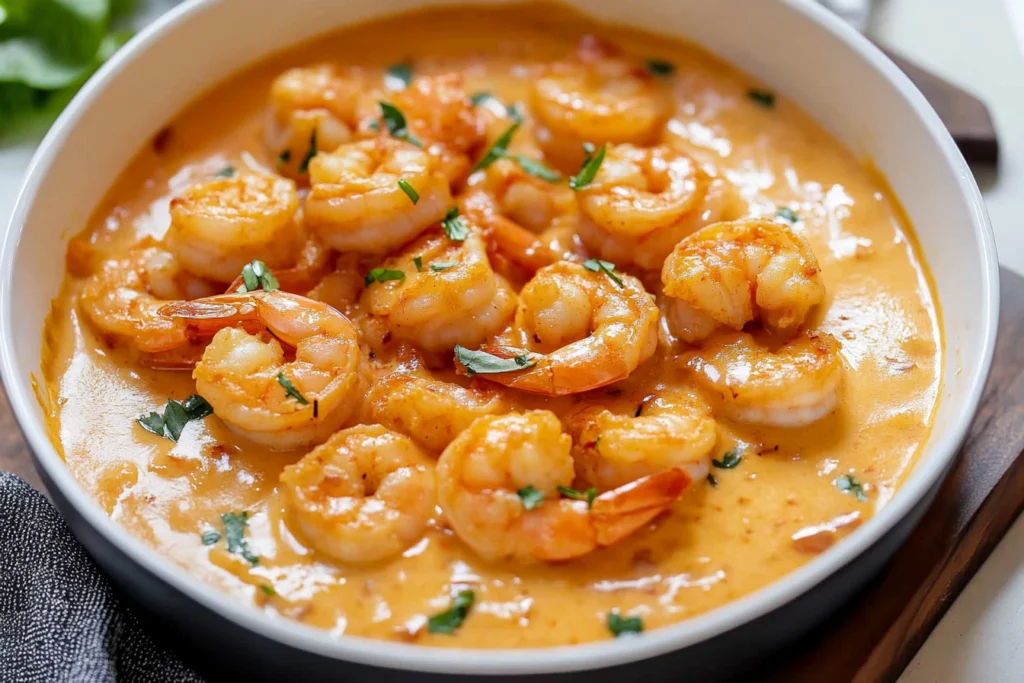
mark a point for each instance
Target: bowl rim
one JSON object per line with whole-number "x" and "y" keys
{"x": 409, "y": 657}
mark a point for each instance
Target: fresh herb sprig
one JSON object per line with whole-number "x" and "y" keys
{"x": 451, "y": 619}
{"x": 175, "y": 416}
{"x": 483, "y": 363}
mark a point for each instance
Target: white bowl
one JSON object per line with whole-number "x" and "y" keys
{"x": 835, "y": 74}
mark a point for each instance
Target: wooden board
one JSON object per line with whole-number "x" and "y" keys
{"x": 873, "y": 640}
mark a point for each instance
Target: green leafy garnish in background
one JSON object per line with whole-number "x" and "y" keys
{"x": 49, "y": 48}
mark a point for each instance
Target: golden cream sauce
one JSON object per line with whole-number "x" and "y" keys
{"x": 719, "y": 543}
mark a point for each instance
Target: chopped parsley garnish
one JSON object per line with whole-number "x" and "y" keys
{"x": 514, "y": 112}
{"x": 290, "y": 390}
{"x": 607, "y": 267}
{"x": 764, "y": 98}
{"x": 438, "y": 267}
{"x": 848, "y": 484}
{"x": 394, "y": 121}
{"x": 175, "y": 417}
{"x": 310, "y": 153}
{"x": 226, "y": 172}
{"x": 499, "y": 149}
{"x": 234, "y": 531}
{"x": 210, "y": 537}
{"x": 383, "y": 275}
{"x": 713, "y": 480}
{"x": 789, "y": 215}
{"x": 624, "y": 626}
{"x": 267, "y": 590}
{"x": 398, "y": 76}
{"x": 284, "y": 157}
{"x": 479, "y": 98}
{"x": 530, "y": 496}
{"x": 660, "y": 67}
{"x": 731, "y": 458}
{"x": 454, "y": 226}
{"x": 418, "y": 260}
{"x": 451, "y": 619}
{"x": 409, "y": 190}
{"x": 483, "y": 363}
{"x": 256, "y": 275}
{"x": 589, "y": 495}
{"x": 588, "y": 171}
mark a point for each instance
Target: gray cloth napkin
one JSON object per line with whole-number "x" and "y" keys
{"x": 60, "y": 620}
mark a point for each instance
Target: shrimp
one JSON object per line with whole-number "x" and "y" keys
{"x": 644, "y": 200}
{"x": 430, "y": 411}
{"x": 589, "y": 331}
{"x": 666, "y": 429}
{"x": 123, "y": 298}
{"x": 356, "y": 203}
{"x": 219, "y": 225}
{"x": 452, "y": 297}
{"x": 441, "y": 115}
{"x": 791, "y": 385}
{"x": 312, "y": 109}
{"x": 309, "y": 270}
{"x": 365, "y": 495}
{"x": 729, "y": 274}
{"x": 597, "y": 98}
{"x": 244, "y": 376}
{"x": 481, "y": 473}
{"x": 506, "y": 240}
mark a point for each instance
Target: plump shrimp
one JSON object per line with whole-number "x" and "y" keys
{"x": 791, "y": 385}
{"x": 452, "y": 297}
{"x": 581, "y": 330}
{"x": 729, "y": 274}
{"x": 616, "y": 443}
{"x": 123, "y": 298}
{"x": 365, "y": 495}
{"x": 644, "y": 200}
{"x": 218, "y": 226}
{"x": 312, "y": 109}
{"x": 597, "y": 97}
{"x": 356, "y": 203}
{"x": 506, "y": 240}
{"x": 430, "y": 411}
{"x": 245, "y": 377}
{"x": 439, "y": 113}
{"x": 481, "y": 472}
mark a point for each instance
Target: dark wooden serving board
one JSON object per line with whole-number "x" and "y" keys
{"x": 873, "y": 640}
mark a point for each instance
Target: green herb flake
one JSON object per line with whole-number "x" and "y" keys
{"x": 624, "y": 626}
{"x": 438, "y": 267}
{"x": 267, "y": 590}
{"x": 731, "y": 459}
{"x": 234, "y": 532}
{"x": 535, "y": 168}
{"x": 479, "y": 98}
{"x": 197, "y": 407}
{"x": 226, "y": 172}
{"x": 398, "y": 127}
{"x": 256, "y": 275}
{"x": 175, "y": 419}
{"x": 589, "y": 495}
{"x": 764, "y": 98}
{"x": 530, "y": 496}
{"x": 483, "y": 363}
{"x": 152, "y": 423}
{"x": 418, "y": 260}
{"x": 789, "y": 215}
{"x": 514, "y": 112}
{"x": 660, "y": 67}
{"x": 454, "y": 226}
{"x": 284, "y": 157}
{"x": 210, "y": 537}
{"x": 383, "y": 275}
{"x": 451, "y": 619}
{"x": 398, "y": 76}
{"x": 409, "y": 190}
{"x": 499, "y": 149}
{"x": 848, "y": 484}
{"x": 606, "y": 267}
{"x": 310, "y": 153}
{"x": 713, "y": 480}
{"x": 290, "y": 390}
{"x": 588, "y": 171}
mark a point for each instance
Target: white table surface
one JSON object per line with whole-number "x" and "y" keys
{"x": 978, "y": 44}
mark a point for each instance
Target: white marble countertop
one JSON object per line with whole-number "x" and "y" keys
{"x": 977, "y": 44}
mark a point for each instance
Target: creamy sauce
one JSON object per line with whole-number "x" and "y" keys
{"x": 766, "y": 517}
